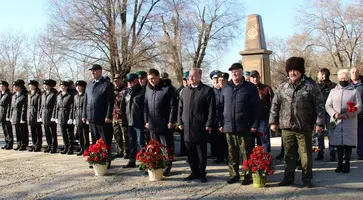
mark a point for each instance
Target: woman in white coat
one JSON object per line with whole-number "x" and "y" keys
{"x": 344, "y": 135}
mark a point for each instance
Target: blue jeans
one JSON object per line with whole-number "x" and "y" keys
{"x": 136, "y": 141}
{"x": 265, "y": 138}
{"x": 360, "y": 139}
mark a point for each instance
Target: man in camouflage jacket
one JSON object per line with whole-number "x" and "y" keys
{"x": 296, "y": 108}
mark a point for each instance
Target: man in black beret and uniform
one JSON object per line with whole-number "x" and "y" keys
{"x": 35, "y": 126}
{"x": 5, "y": 106}
{"x": 63, "y": 116}
{"x": 48, "y": 103}
{"x": 99, "y": 98}
{"x": 78, "y": 106}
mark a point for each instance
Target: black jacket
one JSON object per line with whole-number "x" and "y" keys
{"x": 217, "y": 95}
{"x": 160, "y": 106}
{"x": 63, "y": 109}
{"x": 132, "y": 105}
{"x": 241, "y": 107}
{"x": 34, "y": 105}
{"x": 5, "y": 106}
{"x": 99, "y": 98}
{"x": 48, "y": 102}
{"x": 196, "y": 112}
{"x": 19, "y": 107}
{"x": 78, "y": 106}
{"x": 325, "y": 89}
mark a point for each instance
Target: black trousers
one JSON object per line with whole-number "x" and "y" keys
{"x": 220, "y": 144}
{"x": 83, "y": 136}
{"x": 36, "y": 134}
{"x": 101, "y": 130}
{"x": 68, "y": 135}
{"x": 166, "y": 139}
{"x": 50, "y": 131}
{"x": 22, "y": 135}
{"x": 344, "y": 152}
{"x": 8, "y": 133}
{"x": 197, "y": 156}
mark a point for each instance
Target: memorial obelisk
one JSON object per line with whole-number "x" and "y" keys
{"x": 255, "y": 55}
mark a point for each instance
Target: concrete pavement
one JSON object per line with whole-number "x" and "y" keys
{"x": 29, "y": 175}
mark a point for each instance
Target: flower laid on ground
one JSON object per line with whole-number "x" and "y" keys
{"x": 260, "y": 162}
{"x": 154, "y": 155}
{"x": 351, "y": 108}
{"x": 98, "y": 153}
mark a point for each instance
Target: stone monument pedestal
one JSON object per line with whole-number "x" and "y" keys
{"x": 256, "y": 56}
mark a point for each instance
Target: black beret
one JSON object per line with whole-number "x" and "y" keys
{"x": 224, "y": 75}
{"x": 81, "y": 83}
{"x": 4, "y": 83}
{"x": 215, "y": 74}
{"x": 65, "y": 83}
{"x": 17, "y": 83}
{"x": 235, "y": 66}
{"x": 95, "y": 67}
{"x": 33, "y": 82}
{"x": 295, "y": 63}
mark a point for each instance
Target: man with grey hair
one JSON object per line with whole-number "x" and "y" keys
{"x": 196, "y": 116}
{"x": 357, "y": 81}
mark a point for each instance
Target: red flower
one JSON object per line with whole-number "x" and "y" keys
{"x": 97, "y": 159}
{"x": 254, "y": 169}
{"x": 355, "y": 109}
{"x": 350, "y": 104}
{"x": 88, "y": 159}
{"x": 85, "y": 153}
{"x": 104, "y": 155}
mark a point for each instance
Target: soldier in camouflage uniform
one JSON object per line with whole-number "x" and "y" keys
{"x": 240, "y": 107}
{"x": 120, "y": 132}
{"x": 296, "y": 108}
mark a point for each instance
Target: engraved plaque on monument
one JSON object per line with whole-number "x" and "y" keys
{"x": 255, "y": 55}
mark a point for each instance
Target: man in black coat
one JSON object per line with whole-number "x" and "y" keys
{"x": 19, "y": 107}
{"x": 63, "y": 116}
{"x": 161, "y": 111}
{"x": 132, "y": 104}
{"x": 99, "y": 106}
{"x": 48, "y": 103}
{"x": 196, "y": 116}
{"x": 35, "y": 126}
{"x": 5, "y": 106}
{"x": 78, "y": 106}
{"x": 241, "y": 111}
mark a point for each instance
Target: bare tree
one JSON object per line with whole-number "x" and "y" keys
{"x": 12, "y": 55}
{"x": 336, "y": 29}
{"x": 192, "y": 28}
{"x": 117, "y": 33}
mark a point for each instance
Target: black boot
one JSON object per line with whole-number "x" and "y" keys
{"x": 37, "y": 149}
{"x": 339, "y": 168}
{"x": 17, "y": 148}
{"x": 333, "y": 155}
{"x": 346, "y": 167}
{"x": 80, "y": 153}
{"x": 47, "y": 150}
{"x": 4, "y": 147}
{"x": 65, "y": 150}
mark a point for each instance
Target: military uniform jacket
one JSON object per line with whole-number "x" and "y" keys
{"x": 197, "y": 110}
{"x": 298, "y": 107}
{"x": 5, "y": 106}
{"x": 48, "y": 102}
{"x": 78, "y": 108}
{"x": 64, "y": 107}
{"x": 34, "y": 105}
{"x": 99, "y": 98}
{"x": 19, "y": 106}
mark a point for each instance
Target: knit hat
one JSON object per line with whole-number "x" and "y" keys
{"x": 295, "y": 63}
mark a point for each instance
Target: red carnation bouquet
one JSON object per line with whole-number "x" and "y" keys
{"x": 260, "y": 162}
{"x": 154, "y": 155}
{"x": 351, "y": 108}
{"x": 98, "y": 153}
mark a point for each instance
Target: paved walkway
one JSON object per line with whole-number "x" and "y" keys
{"x": 29, "y": 175}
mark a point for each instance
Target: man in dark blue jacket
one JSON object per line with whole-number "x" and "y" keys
{"x": 240, "y": 119}
{"x": 99, "y": 106}
{"x": 160, "y": 111}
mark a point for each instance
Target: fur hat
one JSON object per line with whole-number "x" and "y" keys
{"x": 295, "y": 63}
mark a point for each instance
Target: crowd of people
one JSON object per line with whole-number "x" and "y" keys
{"x": 234, "y": 115}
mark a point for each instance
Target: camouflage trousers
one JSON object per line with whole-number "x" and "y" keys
{"x": 238, "y": 143}
{"x": 121, "y": 138}
{"x": 292, "y": 140}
